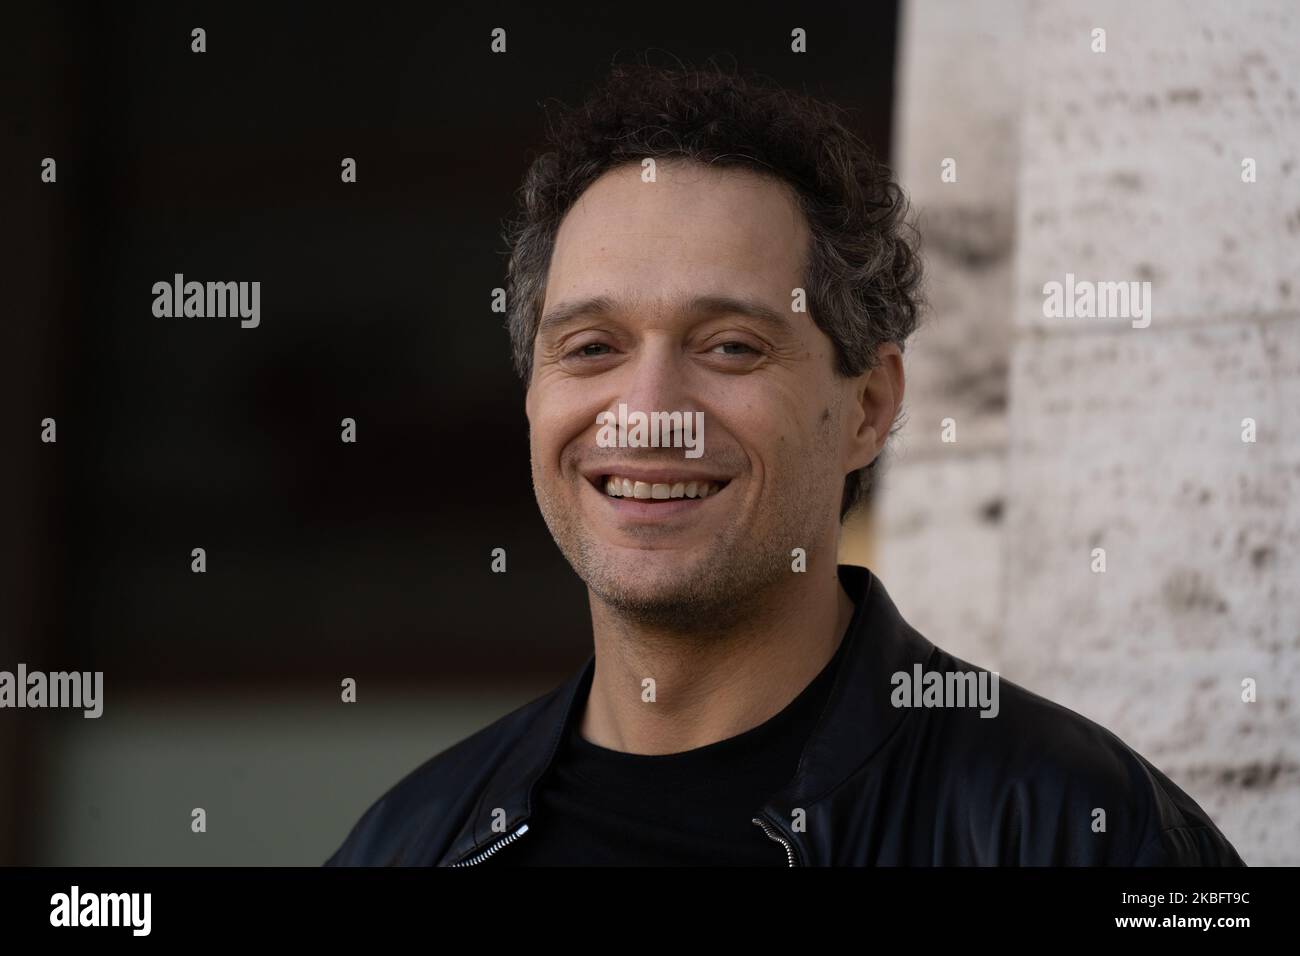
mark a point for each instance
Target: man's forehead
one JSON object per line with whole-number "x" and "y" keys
{"x": 677, "y": 251}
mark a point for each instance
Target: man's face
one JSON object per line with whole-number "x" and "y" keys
{"x": 671, "y": 263}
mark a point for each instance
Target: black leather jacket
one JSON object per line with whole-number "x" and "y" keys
{"x": 878, "y": 784}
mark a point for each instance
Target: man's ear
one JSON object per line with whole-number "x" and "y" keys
{"x": 877, "y": 397}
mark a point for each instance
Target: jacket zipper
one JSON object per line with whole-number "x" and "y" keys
{"x": 484, "y": 854}
{"x": 771, "y": 832}
{"x": 512, "y": 837}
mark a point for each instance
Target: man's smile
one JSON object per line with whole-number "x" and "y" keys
{"x": 644, "y": 495}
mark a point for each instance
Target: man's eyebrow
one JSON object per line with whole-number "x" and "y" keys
{"x": 568, "y": 311}
{"x": 703, "y": 305}
{"x": 706, "y": 305}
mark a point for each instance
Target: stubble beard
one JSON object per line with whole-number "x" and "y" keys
{"x": 711, "y": 590}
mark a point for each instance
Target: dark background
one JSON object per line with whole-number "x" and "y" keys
{"x": 370, "y": 560}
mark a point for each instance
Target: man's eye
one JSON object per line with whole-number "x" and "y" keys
{"x": 738, "y": 345}
{"x": 585, "y": 351}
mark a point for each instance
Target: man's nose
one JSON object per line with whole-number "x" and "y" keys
{"x": 656, "y": 379}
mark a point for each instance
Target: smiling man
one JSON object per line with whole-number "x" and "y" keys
{"x": 694, "y": 243}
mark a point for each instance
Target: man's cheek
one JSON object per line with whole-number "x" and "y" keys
{"x": 545, "y": 444}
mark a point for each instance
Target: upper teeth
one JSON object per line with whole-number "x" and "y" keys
{"x": 628, "y": 488}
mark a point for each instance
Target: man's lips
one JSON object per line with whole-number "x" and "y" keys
{"x": 654, "y": 484}
{"x": 653, "y": 510}
{"x": 645, "y": 494}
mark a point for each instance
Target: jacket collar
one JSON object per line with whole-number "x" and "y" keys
{"x": 856, "y": 720}
{"x": 858, "y": 717}
{"x": 511, "y": 787}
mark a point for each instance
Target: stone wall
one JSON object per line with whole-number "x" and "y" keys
{"x": 1078, "y": 434}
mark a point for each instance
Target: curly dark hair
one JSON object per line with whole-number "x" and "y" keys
{"x": 863, "y": 278}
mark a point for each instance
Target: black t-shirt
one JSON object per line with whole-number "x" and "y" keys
{"x": 602, "y": 807}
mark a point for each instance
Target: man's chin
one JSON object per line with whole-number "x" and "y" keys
{"x": 648, "y": 578}
{"x": 675, "y": 591}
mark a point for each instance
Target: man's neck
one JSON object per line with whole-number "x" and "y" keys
{"x": 708, "y": 687}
